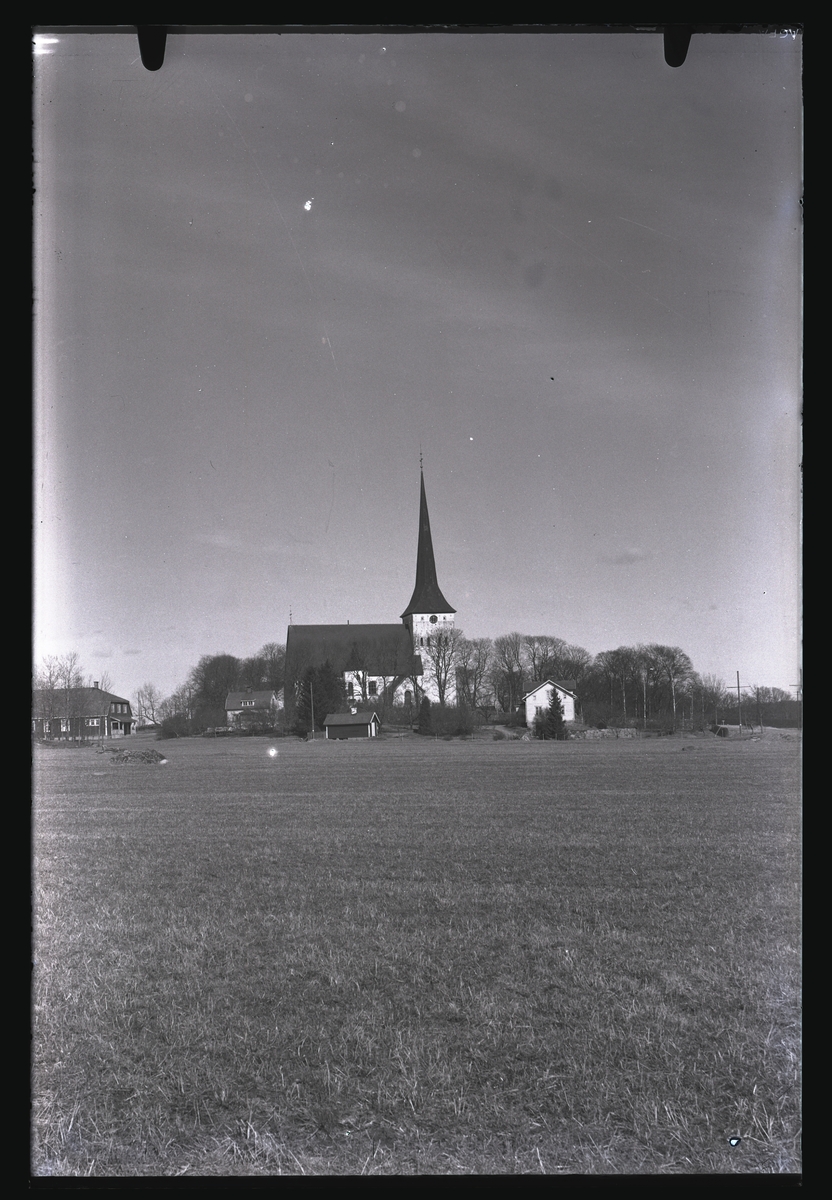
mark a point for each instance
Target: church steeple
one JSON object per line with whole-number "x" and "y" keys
{"x": 427, "y": 605}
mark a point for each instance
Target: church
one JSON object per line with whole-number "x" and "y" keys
{"x": 378, "y": 662}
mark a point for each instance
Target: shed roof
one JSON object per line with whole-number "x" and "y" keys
{"x": 351, "y": 718}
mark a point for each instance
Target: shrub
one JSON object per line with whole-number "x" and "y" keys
{"x": 425, "y": 717}
{"x": 453, "y": 720}
{"x": 172, "y": 727}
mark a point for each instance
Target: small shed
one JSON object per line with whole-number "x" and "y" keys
{"x": 352, "y": 725}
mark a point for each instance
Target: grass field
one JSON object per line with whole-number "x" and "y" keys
{"x": 415, "y": 956}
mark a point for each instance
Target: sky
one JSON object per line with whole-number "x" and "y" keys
{"x": 273, "y": 273}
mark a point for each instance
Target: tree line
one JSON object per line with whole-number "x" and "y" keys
{"x": 199, "y": 703}
{"x": 647, "y": 685}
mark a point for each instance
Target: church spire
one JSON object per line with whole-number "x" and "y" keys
{"x": 426, "y": 598}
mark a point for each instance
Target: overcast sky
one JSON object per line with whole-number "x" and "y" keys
{"x": 270, "y": 272}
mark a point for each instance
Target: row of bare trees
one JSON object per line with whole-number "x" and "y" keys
{"x": 629, "y": 685}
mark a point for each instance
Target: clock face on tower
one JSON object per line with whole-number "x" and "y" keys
{"x": 434, "y": 619}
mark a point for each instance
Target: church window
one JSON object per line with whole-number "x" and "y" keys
{"x": 373, "y": 687}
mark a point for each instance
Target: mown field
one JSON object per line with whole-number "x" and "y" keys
{"x": 414, "y": 956}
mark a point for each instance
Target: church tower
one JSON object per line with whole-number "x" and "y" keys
{"x": 428, "y": 615}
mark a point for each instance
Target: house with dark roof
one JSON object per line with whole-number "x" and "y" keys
{"x": 78, "y": 714}
{"x": 378, "y": 662}
{"x": 249, "y": 707}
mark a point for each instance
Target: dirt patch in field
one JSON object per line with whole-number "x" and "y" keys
{"x": 139, "y": 756}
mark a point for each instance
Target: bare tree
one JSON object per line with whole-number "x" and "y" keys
{"x": 714, "y": 695}
{"x": 507, "y": 670}
{"x": 273, "y": 655}
{"x": 104, "y": 681}
{"x": 671, "y": 664}
{"x": 47, "y": 684}
{"x": 542, "y": 656}
{"x": 70, "y": 674}
{"x": 178, "y": 704}
{"x": 473, "y": 664}
{"x": 620, "y": 666}
{"x": 440, "y": 655}
{"x": 148, "y": 704}
{"x": 645, "y": 672}
{"x": 574, "y": 663}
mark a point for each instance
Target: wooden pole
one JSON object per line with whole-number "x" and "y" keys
{"x": 739, "y": 702}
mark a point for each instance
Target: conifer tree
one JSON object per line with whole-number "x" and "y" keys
{"x": 551, "y": 724}
{"x": 425, "y": 721}
{"x": 321, "y": 689}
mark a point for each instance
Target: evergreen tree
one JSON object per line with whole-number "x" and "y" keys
{"x": 425, "y": 721}
{"x": 321, "y": 690}
{"x": 551, "y": 725}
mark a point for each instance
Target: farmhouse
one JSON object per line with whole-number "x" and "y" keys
{"x": 352, "y": 725}
{"x": 537, "y": 701}
{"x": 248, "y": 707}
{"x": 384, "y": 662}
{"x": 80, "y": 713}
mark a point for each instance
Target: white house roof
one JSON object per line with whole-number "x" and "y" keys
{"x": 561, "y": 687}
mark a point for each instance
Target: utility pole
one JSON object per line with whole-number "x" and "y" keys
{"x": 312, "y": 707}
{"x": 799, "y": 689}
{"x": 739, "y": 702}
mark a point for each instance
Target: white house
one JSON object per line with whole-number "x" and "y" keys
{"x": 537, "y": 700}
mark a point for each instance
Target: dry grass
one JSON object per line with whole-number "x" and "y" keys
{"x": 415, "y": 957}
